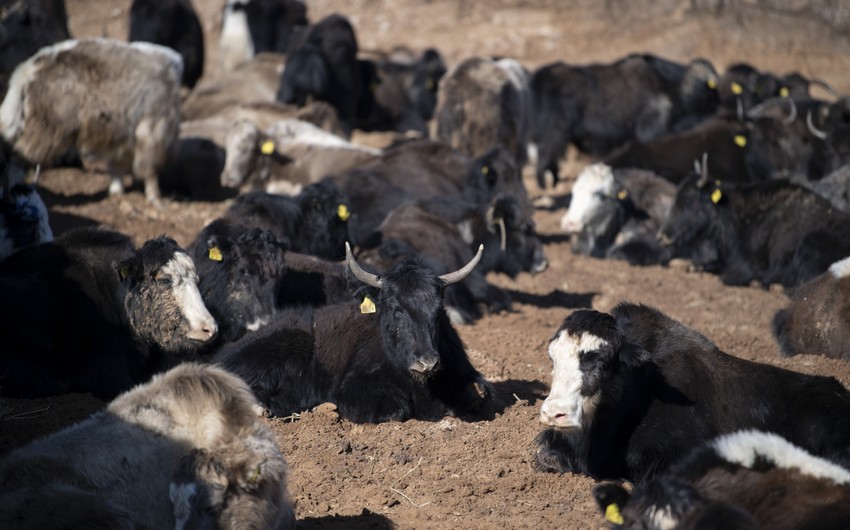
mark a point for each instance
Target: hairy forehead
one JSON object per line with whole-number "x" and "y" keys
{"x": 566, "y": 343}
{"x": 180, "y": 264}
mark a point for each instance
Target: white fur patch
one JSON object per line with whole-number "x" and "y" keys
{"x": 303, "y": 132}
{"x": 565, "y": 406}
{"x": 465, "y": 230}
{"x": 840, "y": 269}
{"x": 594, "y": 180}
{"x": 235, "y": 42}
{"x": 181, "y": 498}
{"x": 662, "y": 518}
{"x": 184, "y": 282}
{"x": 744, "y": 447}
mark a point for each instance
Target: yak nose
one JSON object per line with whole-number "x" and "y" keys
{"x": 205, "y": 332}
{"x": 560, "y": 415}
{"x": 424, "y": 364}
{"x": 540, "y": 264}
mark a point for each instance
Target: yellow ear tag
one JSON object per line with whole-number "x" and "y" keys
{"x": 740, "y": 140}
{"x": 124, "y": 272}
{"x": 342, "y": 212}
{"x": 737, "y": 89}
{"x": 215, "y": 254}
{"x": 267, "y": 148}
{"x": 368, "y": 306}
{"x": 784, "y": 92}
{"x": 712, "y": 84}
{"x": 429, "y": 84}
{"x": 716, "y": 195}
{"x": 485, "y": 170}
{"x": 622, "y": 194}
{"x": 613, "y": 515}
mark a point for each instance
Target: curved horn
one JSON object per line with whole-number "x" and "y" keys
{"x": 826, "y": 86}
{"x": 814, "y": 130}
{"x": 759, "y": 110}
{"x": 793, "y": 116}
{"x": 703, "y": 171}
{"x": 463, "y": 272}
{"x": 365, "y": 277}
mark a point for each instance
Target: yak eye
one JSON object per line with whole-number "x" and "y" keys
{"x": 164, "y": 280}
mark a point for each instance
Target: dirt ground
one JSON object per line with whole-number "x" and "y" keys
{"x": 456, "y": 474}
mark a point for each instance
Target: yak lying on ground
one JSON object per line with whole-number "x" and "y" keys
{"x": 617, "y": 214}
{"x": 446, "y": 232}
{"x": 324, "y": 66}
{"x": 171, "y": 23}
{"x": 740, "y": 481}
{"x": 186, "y": 450}
{"x": 815, "y": 322}
{"x": 601, "y": 106}
{"x": 313, "y": 222}
{"x": 482, "y": 103}
{"x": 422, "y": 170}
{"x": 634, "y": 391}
{"x": 90, "y": 313}
{"x": 114, "y": 103}
{"x": 240, "y": 272}
{"x": 771, "y": 232}
{"x": 391, "y": 355}
{"x": 289, "y": 155}
{"x": 404, "y": 92}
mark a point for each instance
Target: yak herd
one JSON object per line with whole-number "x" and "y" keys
{"x": 338, "y": 272}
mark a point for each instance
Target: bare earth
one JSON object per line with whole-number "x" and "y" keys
{"x": 456, "y": 474}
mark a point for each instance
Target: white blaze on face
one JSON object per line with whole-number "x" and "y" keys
{"x": 184, "y": 282}
{"x": 566, "y": 407}
{"x": 593, "y": 181}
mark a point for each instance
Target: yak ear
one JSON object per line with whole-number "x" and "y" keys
{"x": 633, "y": 355}
{"x": 128, "y": 271}
{"x": 611, "y": 499}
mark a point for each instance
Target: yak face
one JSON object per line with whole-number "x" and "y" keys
{"x": 240, "y": 153}
{"x": 698, "y": 88}
{"x": 409, "y": 303}
{"x": 240, "y": 271}
{"x": 494, "y": 173}
{"x": 695, "y": 214}
{"x": 162, "y": 300}
{"x": 427, "y": 72}
{"x": 583, "y": 353}
{"x": 592, "y": 188}
{"x": 513, "y": 239}
{"x": 323, "y": 224}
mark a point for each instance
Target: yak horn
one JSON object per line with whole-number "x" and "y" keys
{"x": 793, "y": 116}
{"x": 814, "y": 130}
{"x": 826, "y": 86}
{"x": 463, "y": 272}
{"x": 365, "y": 277}
{"x": 759, "y": 110}
{"x": 501, "y": 222}
{"x": 703, "y": 171}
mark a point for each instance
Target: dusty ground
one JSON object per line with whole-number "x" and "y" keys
{"x": 455, "y": 474}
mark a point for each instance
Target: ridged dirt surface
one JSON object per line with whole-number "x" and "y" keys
{"x": 454, "y": 473}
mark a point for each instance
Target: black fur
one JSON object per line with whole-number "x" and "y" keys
{"x": 666, "y": 388}
{"x": 363, "y": 362}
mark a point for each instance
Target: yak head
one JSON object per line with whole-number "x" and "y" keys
{"x": 409, "y": 303}
{"x": 162, "y": 300}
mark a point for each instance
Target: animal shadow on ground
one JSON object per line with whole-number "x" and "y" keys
{"x": 556, "y": 298}
{"x": 512, "y": 390}
{"x": 58, "y": 199}
{"x": 365, "y": 521}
